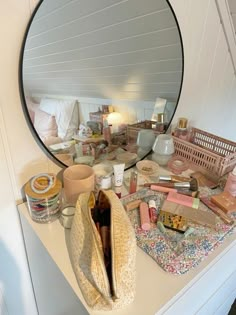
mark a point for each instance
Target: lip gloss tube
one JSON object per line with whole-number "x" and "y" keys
{"x": 152, "y": 211}
{"x": 144, "y": 216}
{"x": 133, "y": 182}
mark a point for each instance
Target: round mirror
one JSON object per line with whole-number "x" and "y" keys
{"x": 100, "y": 79}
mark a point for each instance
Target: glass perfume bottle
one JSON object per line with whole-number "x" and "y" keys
{"x": 181, "y": 130}
{"x": 160, "y": 124}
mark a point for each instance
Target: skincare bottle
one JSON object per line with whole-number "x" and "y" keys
{"x": 230, "y": 185}
{"x": 181, "y": 130}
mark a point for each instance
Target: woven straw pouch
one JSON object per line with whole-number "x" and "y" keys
{"x": 88, "y": 258}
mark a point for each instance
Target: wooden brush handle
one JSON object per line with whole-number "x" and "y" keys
{"x": 149, "y": 184}
{"x": 170, "y": 185}
{"x": 180, "y": 179}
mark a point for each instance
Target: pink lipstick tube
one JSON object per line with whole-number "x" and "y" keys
{"x": 144, "y": 216}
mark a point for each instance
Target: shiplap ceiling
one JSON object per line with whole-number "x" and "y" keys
{"x": 110, "y": 49}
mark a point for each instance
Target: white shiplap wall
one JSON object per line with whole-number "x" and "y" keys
{"x": 208, "y": 96}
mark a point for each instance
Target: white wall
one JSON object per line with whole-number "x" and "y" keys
{"x": 208, "y": 96}
{"x": 209, "y": 88}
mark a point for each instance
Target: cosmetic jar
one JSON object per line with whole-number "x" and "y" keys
{"x": 103, "y": 176}
{"x": 66, "y": 216}
{"x": 178, "y": 164}
{"x": 43, "y": 195}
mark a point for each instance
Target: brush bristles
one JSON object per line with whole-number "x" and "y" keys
{"x": 194, "y": 184}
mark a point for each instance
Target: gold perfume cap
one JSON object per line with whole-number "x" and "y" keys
{"x": 182, "y": 123}
{"x": 160, "y": 118}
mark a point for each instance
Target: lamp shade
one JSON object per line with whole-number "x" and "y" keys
{"x": 164, "y": 144}
{"x": 145, "y": 139}
{"x": 114, "y": 119}
{"x": 163, "y": 149}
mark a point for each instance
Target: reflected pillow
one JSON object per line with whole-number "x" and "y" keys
{"x": 50, "y": 140}
{"x": 32, "y": 106}
{"x": 66, "y": 114}
{"x": 45, "y": 124}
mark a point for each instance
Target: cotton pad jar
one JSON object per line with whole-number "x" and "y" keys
{"x": 103, "y": 175}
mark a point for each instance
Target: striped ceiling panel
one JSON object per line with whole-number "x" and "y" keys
{"x": 110, "y": 49}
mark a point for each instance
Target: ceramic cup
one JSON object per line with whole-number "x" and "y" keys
{"x": 163, "y": 149}
{"x": 77, "y": 179}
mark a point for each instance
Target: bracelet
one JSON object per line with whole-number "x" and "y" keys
{"x": 42, "y": 183}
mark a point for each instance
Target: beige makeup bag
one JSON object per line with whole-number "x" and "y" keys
{"x": 88, "y": 258}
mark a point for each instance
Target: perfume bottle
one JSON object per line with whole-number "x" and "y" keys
{"x": 230, "y": 185}
{"x": 181, "y": 130}
{"x": 160, "y": 124}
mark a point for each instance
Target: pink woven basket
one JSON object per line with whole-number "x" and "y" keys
{"x": 207, "y": 152}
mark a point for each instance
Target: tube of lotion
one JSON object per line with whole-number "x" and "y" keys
{"x": 118, "y": 174}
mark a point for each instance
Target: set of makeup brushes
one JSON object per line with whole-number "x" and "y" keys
{"x": 185, "y": 185}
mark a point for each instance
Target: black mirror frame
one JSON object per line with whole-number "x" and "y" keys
{"x": 23, "y": 100}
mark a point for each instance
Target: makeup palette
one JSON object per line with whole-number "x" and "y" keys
{"x": 173, "y": 221}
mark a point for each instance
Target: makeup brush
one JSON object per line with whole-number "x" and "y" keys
{"x": 174, "y": 178}
{"x": 192, "y": 185}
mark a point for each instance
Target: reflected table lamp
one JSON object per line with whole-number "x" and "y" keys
{"x": 115, "y": 120}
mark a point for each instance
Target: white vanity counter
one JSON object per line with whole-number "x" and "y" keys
{"x": 210, "y": 288}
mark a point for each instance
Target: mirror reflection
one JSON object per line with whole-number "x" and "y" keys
{"x": 97, "y": 73}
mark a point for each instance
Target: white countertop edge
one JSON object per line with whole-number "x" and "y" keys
{"x": 180, "y": 284}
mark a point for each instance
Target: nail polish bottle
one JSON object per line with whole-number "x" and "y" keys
{"x": 230, "y": 185}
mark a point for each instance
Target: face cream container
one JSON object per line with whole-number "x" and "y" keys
{"x": 66, "y": 217}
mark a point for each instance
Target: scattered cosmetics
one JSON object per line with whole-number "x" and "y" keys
{"x": 176, "y": 252}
